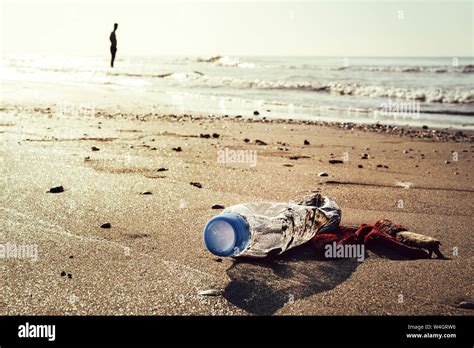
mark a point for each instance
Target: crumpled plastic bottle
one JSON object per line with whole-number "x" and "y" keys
{"x": 268, "y": 228}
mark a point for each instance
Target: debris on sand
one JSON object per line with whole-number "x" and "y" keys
{"x": 246, "y": 140}
{"x": 217, "y": 206}
{"x": 360, "y": 166}
{"x": 215, "y": 135}
{"x": 205, "y": 136}
{"x": 56, "y": 189}
{"x": 177, "y": 149}
{"x": 466, "y": 305}
{"x": 256, "y": 113}
{"x": 106, "y": 225}
{"x": 211, "y": 292}
{"x": 306, "y": 142}
{"x": 162, "y": 169}
{"x": 146, "y": 193}
{"x": 297, "y": 157}
{"x": 405, "y": 185}
{"x": 333, "y": 161}
{"x": 196, "y": 184}
{"x": 323, "y": 174}
{"x": 260, "y": 142}
{"x": 94, "y": 148}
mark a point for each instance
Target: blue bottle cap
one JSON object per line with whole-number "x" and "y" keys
{"x": 226, "y": 234}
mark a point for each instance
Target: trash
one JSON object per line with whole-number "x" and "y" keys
{"x": 94, "y": 148}
{"x": 306, "y": 142}
{"x": 298, "y": 157}
{"x": 420, "y": 241}
{"x": 106, "y": 225}
{"x": 383, "y": 233}
{"x": 217, "y": 206}
{"x": 57, "y": 189}
{"x": 162, "y": 169}
{"x": 333, "y": 161}
{"x": 466, "y": 305}
{"x": 211, "y": 292}
{"x": 323, "y": 174}
{"x": 268, "y": 228}
{"x": 260, "y": 142}
{"x": 406, "y": 185}
{"x": 177, "y": 149}
{"x": 196, "y": 184}
{"x": 146, "y": 193}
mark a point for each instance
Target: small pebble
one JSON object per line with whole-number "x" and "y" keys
{"x": 196, "y": 184}
{"x": 177, "y": 149}
{"x": 94, "y": 148}
{"x": 217, "y": 206}
{"x": 106, "y": 225}
{"x": 246, "y": 140}
{"x": 306, "y": 142}
{"x": 360, "y": 166}
{"x": 256, "y": 113}
{"x": 323, "y": 174}
{"x": 260, "y": 142}
{"x": 162, "y": 169}
{"x": 57, "y": 189}
{"x": 63, "y": 274}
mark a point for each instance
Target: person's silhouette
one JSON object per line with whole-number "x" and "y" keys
{"x": 113, "y": 45}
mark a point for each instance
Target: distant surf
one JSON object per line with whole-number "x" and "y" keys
{"x": 303, "y": 87}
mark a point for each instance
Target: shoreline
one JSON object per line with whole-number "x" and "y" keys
{"x": 413, "y": 132}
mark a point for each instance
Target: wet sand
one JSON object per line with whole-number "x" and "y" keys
{"x": 152, "y": 260}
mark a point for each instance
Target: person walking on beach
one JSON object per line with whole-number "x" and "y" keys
{"x": 113, "y": 45}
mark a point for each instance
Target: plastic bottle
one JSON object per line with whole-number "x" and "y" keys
{"x": 268, "y": 228}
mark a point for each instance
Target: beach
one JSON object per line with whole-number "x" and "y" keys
{"x": 154, "y": 178}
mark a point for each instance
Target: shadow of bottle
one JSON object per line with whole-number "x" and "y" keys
{"x": 262, "y": 286}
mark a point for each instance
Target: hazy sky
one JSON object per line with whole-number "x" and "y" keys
{"x": 350, "y": 28}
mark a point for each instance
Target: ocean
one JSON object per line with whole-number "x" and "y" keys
{"x": 438, "y": 92}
